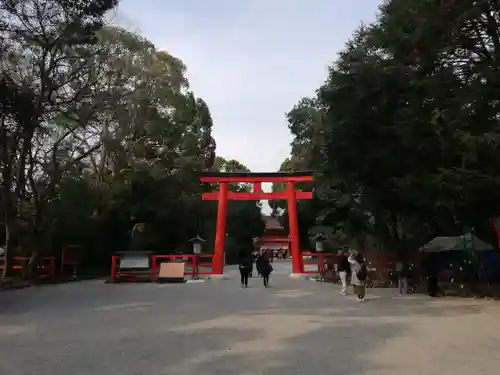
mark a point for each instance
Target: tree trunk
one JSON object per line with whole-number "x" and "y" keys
{"x": 6, "y": 255}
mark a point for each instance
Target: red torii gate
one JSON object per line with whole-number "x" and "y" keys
{"x": 256, "y": 179}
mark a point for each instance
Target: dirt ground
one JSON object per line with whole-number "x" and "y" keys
{"x": 294, "y": 327}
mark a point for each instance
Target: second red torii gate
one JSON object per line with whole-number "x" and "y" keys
{"x": 256, "y": 179}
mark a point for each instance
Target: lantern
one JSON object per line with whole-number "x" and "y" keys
{"x": 319, "y": 242}
{"x": 197, "y": 241}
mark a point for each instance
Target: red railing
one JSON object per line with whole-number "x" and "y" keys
{"x": 320, "y": 260}
{"x": 115, "y": 268}
{"x": 381, "y": 268}
{"x": 195, "y": 262}
{"x": 47, "y": 266}
{"x": 191, "y": 260}
{"x": 70, "y": 258}
{"x": 205, "y": 261}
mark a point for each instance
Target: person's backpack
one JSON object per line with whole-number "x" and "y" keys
{"x": 362, "y": 273}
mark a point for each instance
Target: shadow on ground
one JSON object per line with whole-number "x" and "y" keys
{"x": 305, "y": 347}
{"x": 218, "y": 328}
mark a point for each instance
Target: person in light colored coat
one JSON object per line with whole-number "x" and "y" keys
{"x": 344, "y": 270}
{"x": 356, "y": 261}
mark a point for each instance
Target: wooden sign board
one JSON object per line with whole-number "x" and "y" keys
{"x": 172, "y": 271}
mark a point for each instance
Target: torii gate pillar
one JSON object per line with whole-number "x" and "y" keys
{"x": 220, "y": 231}
{"x": 297, "y": 261}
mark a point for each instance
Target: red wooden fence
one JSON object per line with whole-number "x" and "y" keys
{"x": 46, "y": 268}
{"x": 195, "y": 262}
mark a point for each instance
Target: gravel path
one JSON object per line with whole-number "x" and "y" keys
{"x": 216, "y": 328}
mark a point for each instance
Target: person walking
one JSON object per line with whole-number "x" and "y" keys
{"x": 431, "y": 268}
{"x": 265, "y": 268}
{"x": 245, "y": 267}
{"x": 359, "y": 274}
{"x": 402, "y": 274}
{"x": 258, "y": 264}
{"x": 343, "y": 269}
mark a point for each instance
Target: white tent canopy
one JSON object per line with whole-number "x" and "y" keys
{"x": 457, "y": 243}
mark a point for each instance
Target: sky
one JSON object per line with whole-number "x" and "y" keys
{"x": 250, "y": 60}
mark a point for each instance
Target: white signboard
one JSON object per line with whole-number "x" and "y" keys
{"x": 134, "y": 261}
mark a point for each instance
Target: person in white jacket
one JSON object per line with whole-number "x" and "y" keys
{"x": 358, "y": 275}
{"x": 343, "y": 269}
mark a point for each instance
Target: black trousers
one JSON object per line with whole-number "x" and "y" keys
{"x": 244, "y": 273}
{"x": 432, "y": 286}
{"x": 265, "y": 278}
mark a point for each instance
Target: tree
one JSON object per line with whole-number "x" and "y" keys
{"x": 305, "y": 121}
{"x": 100, "y": 132}
{"x": 407, "y": 125}
{"x": 460, "y": 67}
{"x": 291, "y": 164}
{"x": 45, "y": 69}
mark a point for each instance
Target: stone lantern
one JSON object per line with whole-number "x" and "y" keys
{"x": 319, "y": 242}
{"x": 197, "y": 242}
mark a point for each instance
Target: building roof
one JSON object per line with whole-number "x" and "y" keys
{"x": 272, "y": 222}
{"x": 454, "y": 243}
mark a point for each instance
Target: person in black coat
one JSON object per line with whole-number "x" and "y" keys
{"x": 245, "y": 266}
{"x": 258, "y": 264}
{"x": 431, "y": 268}
{"x": 264, "y": 268}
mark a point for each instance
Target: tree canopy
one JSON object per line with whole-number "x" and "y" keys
{"x": 99, "y": 132}
{"x": 403, "y": 133}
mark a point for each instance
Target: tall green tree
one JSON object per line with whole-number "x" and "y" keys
{"x": 409, "y": 127}
{"x": 46, "y": 68}
{"x": 100, "y": 132}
